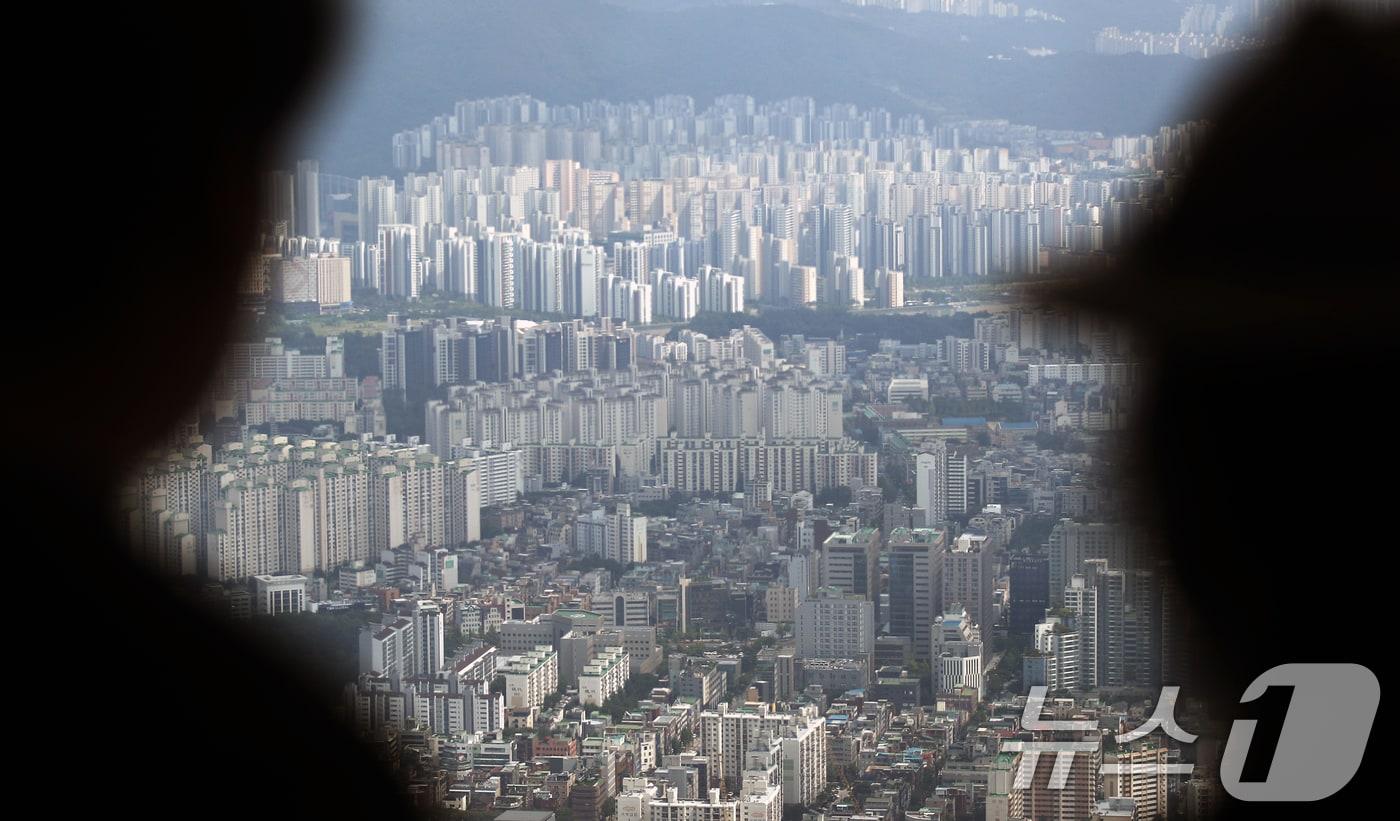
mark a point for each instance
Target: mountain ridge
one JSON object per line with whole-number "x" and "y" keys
{"x": 405, "y": 63}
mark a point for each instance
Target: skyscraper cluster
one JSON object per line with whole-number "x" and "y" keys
{"x": 654, "y": 211}
{"x": 267, "y": 506}
{"x": 642, "y": 559}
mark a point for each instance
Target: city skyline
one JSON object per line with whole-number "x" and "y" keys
{"x": 711, "y": 410}
{"x": 509, "y": 333}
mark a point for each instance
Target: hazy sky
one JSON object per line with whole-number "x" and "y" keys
{"x": 405, "y": 62}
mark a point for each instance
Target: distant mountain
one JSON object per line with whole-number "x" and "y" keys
{"x": 406, "y": 62}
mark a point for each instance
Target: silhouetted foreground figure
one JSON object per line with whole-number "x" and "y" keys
{"x": 133, "y": 701}
{"x": 1265, "y": 451}
{"x": 1269, "y": 315}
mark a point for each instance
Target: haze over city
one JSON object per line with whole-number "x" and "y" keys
{"x": 664, "y": 411}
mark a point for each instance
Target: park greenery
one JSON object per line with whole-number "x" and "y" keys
{"x": 638, "y": 687}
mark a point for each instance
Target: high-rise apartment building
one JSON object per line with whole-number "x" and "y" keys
{"x": 1075, "y": 797}
{"x": 428, "y": 632}
{"x": 308, "y": 198}
{"x": 604, "y": 675}
{"x": 389, "y": 649}
{"x": 530, "y": 677}
{"x": 1084, "y": 603}
{"x": 619, "y": 536}
{"x": 266, "y": 507}
{"x": 1140, "y": 773}
{"x": 931, "y": 482}
{"x": 1072, "y": 543}
{"x": 725, "y": 736}
{"x": 400, "y": 263}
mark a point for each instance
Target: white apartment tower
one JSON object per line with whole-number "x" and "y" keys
{"x": 931, "y": 483}
{"x": 530, "y": 677}
{"x": 726, "y": 736}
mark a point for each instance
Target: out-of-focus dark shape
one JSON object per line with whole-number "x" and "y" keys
{"x": 184, "y": 112}
{"x": 1267, "y": 300}
{"x": 162, "y": 708}
{"x": 1286, "y": 210}
{"x": 1268, "y": 314}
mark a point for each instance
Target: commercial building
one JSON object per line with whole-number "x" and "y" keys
{"x": 834, "y": 624}
{"x": 278, "y": 595}
{"x": 969, "y": 576}
{"x": 850, "y": 563}
{"x": 916, "y": 584}
{"x": 957, "y": 652}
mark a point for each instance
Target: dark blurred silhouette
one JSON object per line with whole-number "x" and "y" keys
{"x": 1266, "y": 301}
{"x": 158, "y": 707}
{"x": 1267, "y": 314}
